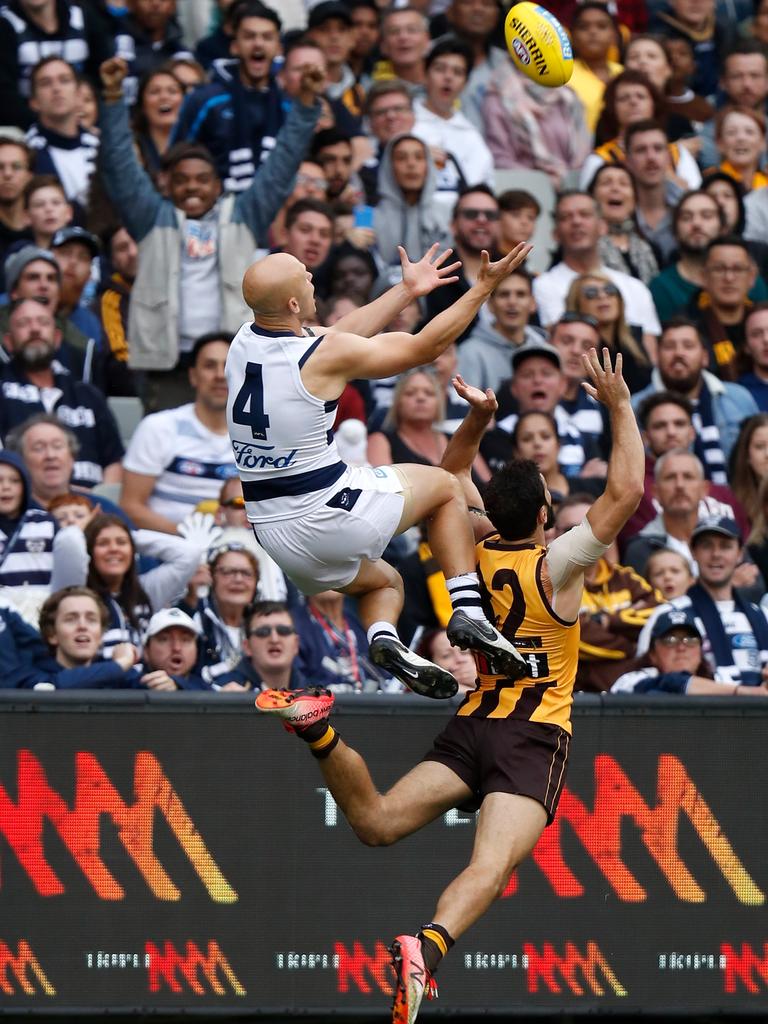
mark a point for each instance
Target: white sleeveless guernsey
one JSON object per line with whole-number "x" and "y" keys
{"x": 281, "y": 434}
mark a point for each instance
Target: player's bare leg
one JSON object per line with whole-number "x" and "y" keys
{"x": 435, "y": 495}
{"x": 379, "y": 592}
{"x": 380, "y": 819}
{"x": 507, "y": 830}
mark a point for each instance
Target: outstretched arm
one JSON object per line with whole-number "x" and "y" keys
{"x": 343, "y": 357}
{"x": 127, "y": 183}
{"x": 626, "y": 466}
{"x": 464, "y": 445}
{"x": 419, "y": 279}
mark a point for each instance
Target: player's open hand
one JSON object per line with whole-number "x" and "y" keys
{"x": 491, "y": 274}
{"x": 429, "y": 272}
{"x": 607, "y": 383}
{"x": 481, "y": 401}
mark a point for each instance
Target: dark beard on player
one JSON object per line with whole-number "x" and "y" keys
{"x": 549, "y": 522}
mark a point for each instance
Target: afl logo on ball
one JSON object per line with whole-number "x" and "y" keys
{"x": 519, "y": 47}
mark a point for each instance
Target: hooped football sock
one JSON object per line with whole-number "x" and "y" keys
{"x": 435, "y": 943}
{"x": 321, "y": 737}
{"x": 381, "y": 629}
{"x": 464, "y": 592}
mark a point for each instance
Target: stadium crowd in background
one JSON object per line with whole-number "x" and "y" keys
{"x": 145, "y": 162}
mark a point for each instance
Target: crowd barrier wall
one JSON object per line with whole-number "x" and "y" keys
{"x": 179, "y": 853}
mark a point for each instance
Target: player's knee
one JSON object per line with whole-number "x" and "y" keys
{"x": 374, "y": 833}
{"x": 448, "y": 490}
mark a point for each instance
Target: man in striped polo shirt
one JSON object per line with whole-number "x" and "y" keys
{"x": 180, "y": 457}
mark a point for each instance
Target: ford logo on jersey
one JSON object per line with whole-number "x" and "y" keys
{"x": 250, "y": 456}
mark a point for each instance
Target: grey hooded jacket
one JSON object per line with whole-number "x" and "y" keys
{"x": 396, "y": 222}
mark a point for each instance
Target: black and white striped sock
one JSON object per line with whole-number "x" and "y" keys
{"x": 381, "y": 629}
{"x": 464, "y": 592}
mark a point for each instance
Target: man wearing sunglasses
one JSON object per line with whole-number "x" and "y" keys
{"x": 677, "y": 665}
{"x": 475, "y": 226}
{"x": 271, "y": 646}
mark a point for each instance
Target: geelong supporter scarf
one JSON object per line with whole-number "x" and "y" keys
{"x": 706, "y": 610}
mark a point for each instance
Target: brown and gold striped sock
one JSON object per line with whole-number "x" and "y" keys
{"x": 321, "y": 737}
{"x": 435, "y": 943}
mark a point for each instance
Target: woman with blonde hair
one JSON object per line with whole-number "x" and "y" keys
{"x": 596, "y": 295}
{"x": 411, "y": 431}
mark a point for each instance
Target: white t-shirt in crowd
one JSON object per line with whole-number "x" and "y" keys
{"x": 551, "y": 288}
{"x": 190, "y": 461}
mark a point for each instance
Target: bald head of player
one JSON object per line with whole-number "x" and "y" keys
{"x": 279, "y": 289}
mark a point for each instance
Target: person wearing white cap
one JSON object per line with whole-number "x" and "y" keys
{"x": 170, "y": 652}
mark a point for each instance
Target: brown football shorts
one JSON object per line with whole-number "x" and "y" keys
{"x": 505, "y": 755}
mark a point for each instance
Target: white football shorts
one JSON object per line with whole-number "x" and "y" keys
{"x": 323, "y": 550}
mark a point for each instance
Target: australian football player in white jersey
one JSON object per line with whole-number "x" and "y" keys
{"x": 324, "y": 523}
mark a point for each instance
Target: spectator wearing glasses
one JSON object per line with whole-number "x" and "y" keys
{"x": 578, "y": 228}
{"x": 721, "y": 307}
{"x": 271, "y": 649}
{"x": 234, "y": 580}
{"x": 598, "y": 297}
{"x": 389, "y": 112}
{"x": 734, "y": 630}
{"x": 178, "y": 457}
{"x": 677, "y": 664}
{"x": 235, "y": 529}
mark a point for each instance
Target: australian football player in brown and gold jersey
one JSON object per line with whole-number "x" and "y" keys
{"x": 506, "y": 749}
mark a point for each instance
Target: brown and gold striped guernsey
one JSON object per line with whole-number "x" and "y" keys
{"x": 511, "y": 578}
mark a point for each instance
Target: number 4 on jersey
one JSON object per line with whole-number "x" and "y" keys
{"x": 248, "y": 408}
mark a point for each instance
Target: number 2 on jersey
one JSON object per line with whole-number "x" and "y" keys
{"x": 248, "y": 407}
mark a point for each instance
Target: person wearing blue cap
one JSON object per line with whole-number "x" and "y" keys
{"x": 677, "y": 664}
{"x": 734, "y": 630}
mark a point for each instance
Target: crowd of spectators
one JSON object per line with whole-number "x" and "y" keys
{"x": 149, "y": 153}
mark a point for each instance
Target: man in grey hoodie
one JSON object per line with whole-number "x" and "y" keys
{"x": 485, "y": 357}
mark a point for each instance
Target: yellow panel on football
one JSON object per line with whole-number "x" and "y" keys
{"x": 538, "y": 44}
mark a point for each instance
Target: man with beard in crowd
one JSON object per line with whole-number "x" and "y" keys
{"x": 32, "y": 341}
